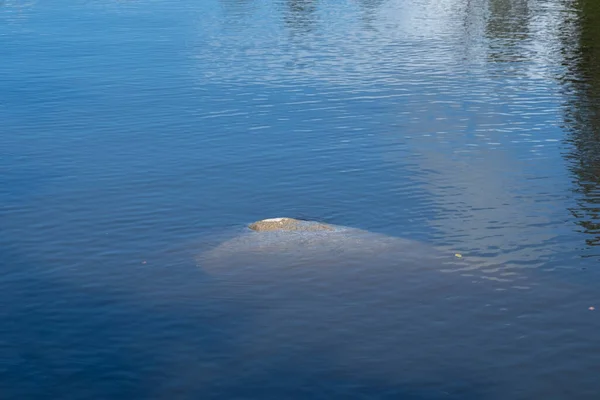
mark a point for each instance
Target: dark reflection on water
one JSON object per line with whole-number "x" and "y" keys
{"x": 582, "y": 51}
{"x": 300, "y": 15}
{"x": 370, "y": 10}
{"x": 136, "y": 135}
{"x": 508, "y": 29}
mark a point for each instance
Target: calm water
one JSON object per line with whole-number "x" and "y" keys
{"x": 135, "y": 134}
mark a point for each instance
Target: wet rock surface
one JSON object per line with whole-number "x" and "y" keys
{"x": 288, "y": 224}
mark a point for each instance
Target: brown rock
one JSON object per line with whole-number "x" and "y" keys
{"x": 288, "y": 224}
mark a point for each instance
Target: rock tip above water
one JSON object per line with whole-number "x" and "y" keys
{"x": 288, "y": 224}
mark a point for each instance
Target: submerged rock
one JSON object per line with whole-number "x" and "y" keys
{"x": 288, "y": 224}
{"x": 289, "y": 242}
{"x": 286, "y": 250}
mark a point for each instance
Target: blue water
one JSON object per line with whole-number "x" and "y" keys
{"x": 136, "y": 134}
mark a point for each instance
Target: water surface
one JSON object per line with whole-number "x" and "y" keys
{"x": 136, "y": 134}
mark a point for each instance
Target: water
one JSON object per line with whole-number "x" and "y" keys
{"x": 136, "y": 134}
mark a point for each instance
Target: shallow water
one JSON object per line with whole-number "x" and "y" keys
{"x": 137, "y": 134}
